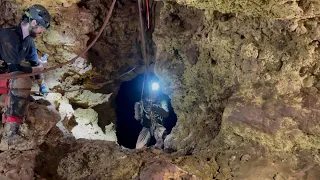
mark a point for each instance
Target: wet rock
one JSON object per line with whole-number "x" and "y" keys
{"x": 281, "y": 10}
{"x": 11, "y": 13}
{"x": 170, "y": 143}
{"x": 273, "y": 123}
{"x": 256, "y": 73}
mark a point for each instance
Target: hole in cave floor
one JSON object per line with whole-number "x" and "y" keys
{"x": 127, "y": 128}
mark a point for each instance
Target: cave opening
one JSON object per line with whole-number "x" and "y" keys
{"x": 127, "y": 127}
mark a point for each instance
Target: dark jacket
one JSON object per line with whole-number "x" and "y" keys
{"x": 14, "y": 49}
{"x": 160, "y": 110}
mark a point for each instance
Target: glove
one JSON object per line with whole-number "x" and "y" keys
{"x": 43, "y": 90}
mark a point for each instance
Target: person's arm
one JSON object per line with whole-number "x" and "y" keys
{"x": 33, "y": 59}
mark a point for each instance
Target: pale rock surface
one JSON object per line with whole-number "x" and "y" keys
{"x": 88, "y": 128}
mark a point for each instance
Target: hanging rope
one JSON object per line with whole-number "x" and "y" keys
{"x": 144, "y": 51}
{"x": 61, "y": 91}
{"x": 106, "y": 21}
{"x": 148, "y": 13}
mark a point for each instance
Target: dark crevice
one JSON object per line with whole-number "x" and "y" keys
{"x": 127, "y": 128}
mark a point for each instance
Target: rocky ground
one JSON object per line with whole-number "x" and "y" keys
{"x": 243, "y": 77}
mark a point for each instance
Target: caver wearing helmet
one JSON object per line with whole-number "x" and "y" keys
{"x": 17, "y": 45}
{"x": 151, "y": 113}
{"x": 42, "y": 17}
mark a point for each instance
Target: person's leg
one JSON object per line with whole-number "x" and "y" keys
{"x": 159, "y": 133}
{"x": 16, "y": 106}
{"x": 144, "y": 138}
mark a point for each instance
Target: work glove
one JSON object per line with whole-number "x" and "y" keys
{"x": 43, "y": 91}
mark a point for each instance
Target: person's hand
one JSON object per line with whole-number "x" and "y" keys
{"x": 43, "y": 90}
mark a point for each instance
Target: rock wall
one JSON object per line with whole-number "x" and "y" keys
{"x": 74, "y": 25}
{"x": 242, "y": 74}
{"x": 118, "y": 49}
{"x": 266, "y": 8}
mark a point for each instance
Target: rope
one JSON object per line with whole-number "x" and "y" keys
{"x": 148, "y": 13}
{"x": 106, "y": 21}
{"x": 64, "y": 91}
{"x": 144, "y": 52}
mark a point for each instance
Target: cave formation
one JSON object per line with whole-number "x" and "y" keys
{"x": 242, "y": 77}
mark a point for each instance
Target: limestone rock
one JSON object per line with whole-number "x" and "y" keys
{"x": 87, "y": 128}
{"x": 164, "y": 170}
{"x": 255, "y": 76}
{"x": 271, "y": 9}
{"x": 86, "y": 116}
{"x": 87, "y": 98}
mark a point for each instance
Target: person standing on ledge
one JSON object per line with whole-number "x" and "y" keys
{"x": 17, "y": 44}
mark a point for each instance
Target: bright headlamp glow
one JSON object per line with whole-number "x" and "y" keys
{"x": 155, "y": 86}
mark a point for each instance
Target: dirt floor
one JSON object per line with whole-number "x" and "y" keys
{"x": 85, "y": 159}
